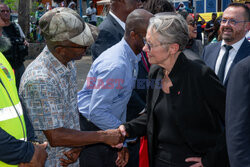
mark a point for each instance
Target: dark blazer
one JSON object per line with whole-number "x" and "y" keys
{"x": 211, "y": 53}
{"x": 238, "y": 114}
{"x": 137, "y": 102}
{"x": 110, "y": 34}
{"x": 198, "y": 99}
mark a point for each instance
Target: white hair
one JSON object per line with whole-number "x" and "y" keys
{"x": 171, "y": 28}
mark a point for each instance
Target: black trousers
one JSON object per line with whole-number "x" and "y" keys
{"x": 96, "y": 155}
{"x": 133, "y": 149}
{"x": 18, "y": 75}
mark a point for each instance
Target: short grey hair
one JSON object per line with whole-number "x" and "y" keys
{"x": 171, "y": 28}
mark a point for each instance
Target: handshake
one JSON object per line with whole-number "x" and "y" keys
{"x": 115, "y": 137}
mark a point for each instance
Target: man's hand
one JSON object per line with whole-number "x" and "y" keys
{"x": 113, "y": 137}
{"x": 124, "y": 134}
{"x": 26, "y": 43}
{"x": 122, "y": 158}
{"x": 72, "y": 156}
{"x": 39, "y": 157}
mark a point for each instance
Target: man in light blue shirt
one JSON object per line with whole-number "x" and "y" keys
{"x": 91, "y": 13}
{"x": 103, "y": 100}
{"x": 104, "y": 97}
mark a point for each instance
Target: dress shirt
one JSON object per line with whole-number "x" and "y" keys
{"x": 248, "y": 36}
{"x": 232, "y": 54}
{"x": 92, "y": 12}
{"x": 116, "y": 71}
{"x": 49, "y": 92}
{"x": 122, "y": 24}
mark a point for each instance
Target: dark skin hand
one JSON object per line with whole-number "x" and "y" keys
{"x": 72, "y": 156}
{"x": 122, "y": 158}
{"x": 111, "y": 137}
{"x": 64, "y": 137}
{"x": 39, "y": 157}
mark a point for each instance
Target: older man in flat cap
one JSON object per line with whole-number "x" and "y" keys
{"x": 48, "y": 87}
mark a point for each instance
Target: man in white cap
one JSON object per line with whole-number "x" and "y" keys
{"x": 49, "y": 91}
{"x": 72, "y": 5}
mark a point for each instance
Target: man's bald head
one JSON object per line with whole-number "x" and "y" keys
{"x": 136, "y": 29}
{"x": 137, "y": 21}
{"x": 5, "y": 13}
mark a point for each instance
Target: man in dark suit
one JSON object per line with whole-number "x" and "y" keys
{"x": 113, "y": 27}
{"x": 222, "y": 56}
{"x": 238, "y": 114}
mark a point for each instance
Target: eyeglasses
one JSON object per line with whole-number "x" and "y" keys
{"x": 3, "y": 11}
{"x": 231, "y": 21}
{"x": 150, "y": 46}
{"x": 192, "y": 23}
{"x": 77, "y": 47}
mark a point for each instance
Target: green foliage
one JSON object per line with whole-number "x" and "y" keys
{"x": 12, "y": 4}
{"x": 34, "y": 8}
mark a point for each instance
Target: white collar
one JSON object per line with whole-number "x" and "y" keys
{"x": 236, "y": 45}
{"x": 122, "y": 24}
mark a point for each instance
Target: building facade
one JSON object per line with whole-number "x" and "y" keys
{"x": 205, "y": 6}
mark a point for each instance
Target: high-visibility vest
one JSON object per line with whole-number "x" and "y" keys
{"x": 11, "y": 112}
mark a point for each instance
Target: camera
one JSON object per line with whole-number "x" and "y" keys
{"x": 18, "y": 44}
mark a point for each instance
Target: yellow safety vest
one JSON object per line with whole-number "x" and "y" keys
{"x": 11, "y": 112}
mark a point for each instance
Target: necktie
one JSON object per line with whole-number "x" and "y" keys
{"x": 145, "y": 61}
{"x": 221, "y": 71}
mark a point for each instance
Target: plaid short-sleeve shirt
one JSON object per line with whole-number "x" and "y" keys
{"x": 49, "y": 92}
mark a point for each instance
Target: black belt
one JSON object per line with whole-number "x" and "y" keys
{"x": 86, "y": 125}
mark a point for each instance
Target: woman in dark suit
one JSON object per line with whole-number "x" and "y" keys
{"x": 184, "y": 117}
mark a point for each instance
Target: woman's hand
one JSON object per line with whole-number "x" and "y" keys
{"x": 195, "y": 159}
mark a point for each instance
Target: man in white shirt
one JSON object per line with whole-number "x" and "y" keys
{"x": 222, "y": 56}
{"x": 91, "y": 13}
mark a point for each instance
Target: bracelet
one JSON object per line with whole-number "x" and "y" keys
{"x": 35, "y": 142}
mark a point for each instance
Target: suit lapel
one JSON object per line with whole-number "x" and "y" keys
{"x": 157, "y": 90}
{"x": 243, "y": 52}
{"x": 116, "y": 24}
{"x": 215, "y": 51}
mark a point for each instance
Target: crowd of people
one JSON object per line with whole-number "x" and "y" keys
{"x": 155, "y": 95}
